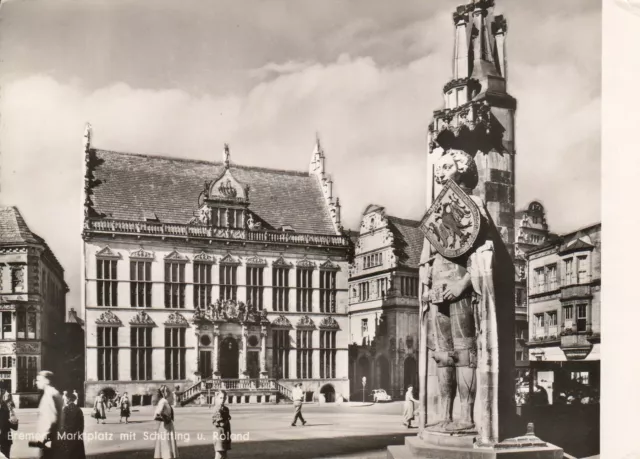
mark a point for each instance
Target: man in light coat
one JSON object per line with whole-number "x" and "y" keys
{"x": 298, "y": 397}
{"x": 49, "y": 416}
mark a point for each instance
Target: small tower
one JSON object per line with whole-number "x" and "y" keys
{"x": 317, "y": 168}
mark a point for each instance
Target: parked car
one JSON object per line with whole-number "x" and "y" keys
{"x": 380, "y": 395}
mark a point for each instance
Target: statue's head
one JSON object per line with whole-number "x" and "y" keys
{"x": 458, "y": 166}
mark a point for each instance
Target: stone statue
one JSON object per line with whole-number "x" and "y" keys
{"x": 242, "y": 311}
{"x": 459, "y": 309}
{"x": 252, "y": 224}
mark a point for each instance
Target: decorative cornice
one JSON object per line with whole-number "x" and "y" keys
{"x": 142, "y": 319}
{"x": 281, "y": 322}
{"x": 329, "y": 266}
{"x": 108, "y": 253}
{"x": 176, "y": 320}
{"x": 141, "y": 254}
{"x": 109, "y": 318}
{"x": 176, "y": 256}
{"x": 305, "y": 322}
{"x": 471, "y": 82}
{"x": 305, "y": 263}
{"x": 229, "y": 260}
{"x": 256, "y": 261}
{"x": 281, "y": 263}
{"x": 203, "y": 257}
{"x": 329, "y": 323}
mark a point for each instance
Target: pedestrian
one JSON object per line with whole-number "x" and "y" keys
{"x": 49, "y": 417}
{"x": 65, "y": 398}
{"x": 9, "y": 400}
{"x": 72, "y": 441}
{"x": 125, "y": 408}
{"x": 99, "y": 411}
{"x": 75, "y": 392}
{"x": 221, "y": 426}
{"x": 166, "y": 446}
{"x": 298, "y": 397}
{"x": 8, "y": 422}
{"x": 409, "y": 408}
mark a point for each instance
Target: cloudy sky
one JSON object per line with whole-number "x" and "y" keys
{"x": 180, "y": 78}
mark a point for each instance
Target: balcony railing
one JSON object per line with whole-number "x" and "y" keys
{"x": 131, "y": 227}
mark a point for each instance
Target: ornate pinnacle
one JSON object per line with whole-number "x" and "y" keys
{"x": 87, "y": 137}
{"x": 225, "y": 155}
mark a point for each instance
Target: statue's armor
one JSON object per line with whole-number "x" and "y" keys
{"x": 454, "y": 323}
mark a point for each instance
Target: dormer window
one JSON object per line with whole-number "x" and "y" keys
{"x": 287, "y": 229}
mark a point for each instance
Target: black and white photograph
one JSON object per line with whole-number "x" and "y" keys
{"x": 307, "y": 229}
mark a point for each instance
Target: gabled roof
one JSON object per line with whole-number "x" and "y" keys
{"x": 129, "y": 186}
{"x": 13, "y": 228}
{"x": 408, "y": 240}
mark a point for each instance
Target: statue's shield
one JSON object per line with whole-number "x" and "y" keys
{"x": 452, "y": 223}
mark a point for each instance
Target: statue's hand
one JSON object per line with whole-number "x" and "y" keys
{"x": 455, "y": 290}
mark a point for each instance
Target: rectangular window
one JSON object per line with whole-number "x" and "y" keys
{"x": 552, "y": 276}
{"x": 583, "y": 272}
{"x": 520, "y": 298}
{"x": 26, "y": 324}
{"x": 327, "y": 291}
{"x": 567, "y": 311}
{"x": 539, "y": 320}
{"x": 255, "y": 289}
{"x": 552, "y": 319}
{"x": 327, "y": 354}
{"x": 228, "y": 282}
{"x": 7, "y": 326}
{"x": 519, "y": 355}
{"x": 27, "y": 372}
{"x": 140, "y": 284}
{"x": 363, "y": 291}
{"x": 581, "y": 377}
{"x": 281, "y": 289}
{"x": 141, "y": 350}
{"x": 539, "y": 276}
{"x": 6, "y": 362}
{"x": 174, "y": 285}
{"x": 107, "y": 271}
{"x": 281, "y": 347}
{"x": 202, "y": 285}
{"x": 568, "y": 271}
{"x": 107, "y": 353}
{"x": 304, "y": 353}
{"x": 304, "y": 289}
{"x": 364, "y": 327}
{"x": 581, "y": 317}
{"x": 175, "y": 353}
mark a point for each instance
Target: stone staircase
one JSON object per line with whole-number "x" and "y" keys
{"x": 238, "y": 391}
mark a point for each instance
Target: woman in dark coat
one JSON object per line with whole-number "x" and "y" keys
{"x": 125, "y": 408}
{"x": 72, "y": 443}
{"x": 221, "y": 426}
{"x": 6, "y": 424}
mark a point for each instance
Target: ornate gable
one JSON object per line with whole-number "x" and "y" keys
{"x": 176, "y": 256}
{"x": 203, "y": 257}
{"x": 281, "y": 263}
{"x": 281, "y": 322}
{"x": 108, "y": 253}
{"x": 229, "y": 260}
{"x": 306, "y": 263}
{"x": 227, "y": 189}
{"x": 141, "y": 254}
{"x": 305, "y": 322}
{"x": 256, "y": 261}
{"x": 329, "y": 323}
{"x": 142, "y": 319}
{"x": 109, "y": 318}
{"x": 329, "y": 266}
{"x": 176, "y": 320}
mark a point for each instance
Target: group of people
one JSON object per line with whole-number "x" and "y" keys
{"x": 102, "y": 404}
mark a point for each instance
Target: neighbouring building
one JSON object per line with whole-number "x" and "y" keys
{"x": 35, "y": 332}
{"x": 531, "y": 231}
{"x": 203, "y": 274}
{"x": 383, "y": 303}
{"x": 564, "y": 311}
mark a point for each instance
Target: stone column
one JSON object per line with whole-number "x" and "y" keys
{"x": 263, "y": 353}
{"x": 243, "y": 358}
{"x": 216, "y": 351}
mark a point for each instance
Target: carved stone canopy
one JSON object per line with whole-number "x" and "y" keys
{"x": 281, "y": 322}
{"x": 228, "y": 189}
{"x": 229, "y": 260}
{"x": 176, "y": 256}
{"x": 109, "y": 318}
{"x": 305, "y": 322}
{"x": 306, "y": 263}
{"x": 142, "y": 319}
{"x": 329, "y": 323}
{"x": 256, "y": 261}
{"x": 108, "y": 253}
{"x": 141, "y": 254}
{"x": 281, "y": 263}
{"x": 329, "y": 266}
{"x": 176, "y": 320}
{"x": 203, "y": 257}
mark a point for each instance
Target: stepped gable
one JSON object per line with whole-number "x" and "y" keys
{"x": 129, "y": 186}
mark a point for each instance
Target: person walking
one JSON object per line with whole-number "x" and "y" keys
{"x": 99, "y": 411}
{"x": 298, "y": 397}
{"x": 75, "y": 392}
{"x": 65, "y": 398}
{"x": 8, "y": 422}
{"x": 409, "y": 407}
{"x": 166, "y": 446}
{"x": 125, "y": 408}
{"x": 72, "y": 441}
{"x": 49, "y": 417}
{"x": 221, "y": 426}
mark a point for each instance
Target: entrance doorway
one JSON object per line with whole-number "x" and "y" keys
{"x": 229, "y": 358}
{"x": 204, "y": 365}
{"x": 329, "y": 393}
{"x": 253, "y": 364}
{"x": 410, "y": 375}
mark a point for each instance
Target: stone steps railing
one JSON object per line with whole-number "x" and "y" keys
{"x": 232, "y": 385}
{"x": 132, "y": 227}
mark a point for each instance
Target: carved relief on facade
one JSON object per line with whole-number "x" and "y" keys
{"x": 329, "y": 323}
{"x": 392, "y": 344}
{"x": 7, "y": 348}
{"x": 27, "y": 348}
{"x": 306, "y": 263}
{"x": 142, "y": 318}
{"x": 176, "y": 320}
{"x": 176, "y": 256}
{"x": 409, "y": 342}
{"x": 329, "y": 266}
{"x": 17, "y": 278}
{"x": 281, "y": 263}
{"x": 305, "y": 322}
{"x": 203, "y": 257}
{"x": 229, "y": 260}
{"x": 109, "y": 318}
{"x": 256, "y": 261}
{"x": 108, "y": 253}
{"x": 281, "y": 322}
{"x": 141, "y": 254}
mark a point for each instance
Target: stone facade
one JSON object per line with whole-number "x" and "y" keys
{"x": 250, "y": 284}
{"x": 564, "y": 309}
{"x": 35, "y": 335}
{"x": 383, "y": 303}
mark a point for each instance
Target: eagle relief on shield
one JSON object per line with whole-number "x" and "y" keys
{"x": 452, "y": 223}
